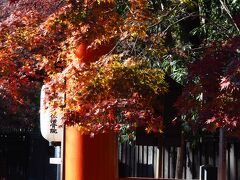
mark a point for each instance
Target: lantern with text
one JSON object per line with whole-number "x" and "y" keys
{"x": 50, "y": 123}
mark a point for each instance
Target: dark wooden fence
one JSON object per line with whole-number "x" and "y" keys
{"x": 161, "y": 161}
{"x": 25, "y": 156}
{"x": 14, "y": 150}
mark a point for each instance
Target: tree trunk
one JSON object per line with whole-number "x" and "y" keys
{"x": 180, "y": 159}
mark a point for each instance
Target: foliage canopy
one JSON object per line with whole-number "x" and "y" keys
{"x": 110, "y": 58}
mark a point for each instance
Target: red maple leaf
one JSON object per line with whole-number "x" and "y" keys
{"x": 224, "y": 84}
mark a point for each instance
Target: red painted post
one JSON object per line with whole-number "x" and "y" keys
{"x": 90, "y": 158}
{"x": 85, "y": 157}
{"x": 87, "y": 53}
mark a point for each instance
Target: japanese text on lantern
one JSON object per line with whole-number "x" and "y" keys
{"x": 53, "y": 125}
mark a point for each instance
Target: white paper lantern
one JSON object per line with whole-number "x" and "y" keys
{"x": 51, "y": 128}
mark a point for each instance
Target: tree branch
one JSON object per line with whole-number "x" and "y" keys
{"x": 226, "y": 9}
{"x": 190, "y": 15}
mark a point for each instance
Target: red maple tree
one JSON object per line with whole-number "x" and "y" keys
{"x": 63, "y": 45}
{"x": 211, "y": 99}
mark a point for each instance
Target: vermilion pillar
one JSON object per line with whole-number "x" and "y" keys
{"x": 85, "y": 157}
{"x": 90, "y": 158}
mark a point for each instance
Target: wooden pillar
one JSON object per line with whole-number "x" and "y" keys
{"x": 180, "y": 158}
{"x": 160, "y": 159}
{"x": 222, "y": 156}
{"x": 90, "y": 158}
